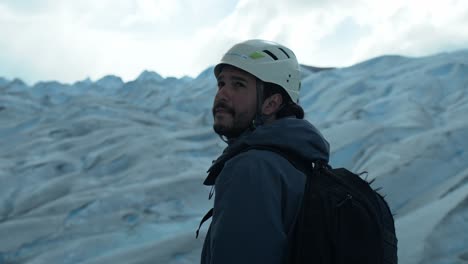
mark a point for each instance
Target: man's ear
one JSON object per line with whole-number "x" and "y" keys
{"x": 272, "y": 104}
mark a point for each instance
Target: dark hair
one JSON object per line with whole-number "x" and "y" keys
{"x": 289, "y": 108}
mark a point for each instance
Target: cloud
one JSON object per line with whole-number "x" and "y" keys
{"x": 341, "y": 33}
{"x": 300, "y": 25}
{"x": 416, "y": 30}
{"x": 71, "y": 40}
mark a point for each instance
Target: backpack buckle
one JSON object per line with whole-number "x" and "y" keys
{"x": 319, "y": 165}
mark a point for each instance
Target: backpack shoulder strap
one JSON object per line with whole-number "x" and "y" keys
{"x": 299, "y": 163}
{"x": 307, "y": 244}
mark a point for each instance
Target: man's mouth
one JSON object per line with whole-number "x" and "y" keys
{"x": 221, "y": 108}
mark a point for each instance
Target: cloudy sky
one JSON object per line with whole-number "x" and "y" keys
{"x": 70, "y": 40}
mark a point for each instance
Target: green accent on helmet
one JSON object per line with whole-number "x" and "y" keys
{"x": 256, "y": 55}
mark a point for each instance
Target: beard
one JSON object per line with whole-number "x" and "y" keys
{"x": 231, "y": 132}
{"x": 233, "y": 128}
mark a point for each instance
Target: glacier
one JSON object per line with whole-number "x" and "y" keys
{"x": 109, "y": 171}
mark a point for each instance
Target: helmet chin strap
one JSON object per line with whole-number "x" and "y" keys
{"x": 259, "y": 117}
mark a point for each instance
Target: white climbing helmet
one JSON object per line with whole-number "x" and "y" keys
{"x": 268, "y": 61}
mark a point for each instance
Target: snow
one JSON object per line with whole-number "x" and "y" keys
{"x": 112, "y": 172}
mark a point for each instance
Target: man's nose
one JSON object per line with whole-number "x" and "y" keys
{"x": 223, "y": 93}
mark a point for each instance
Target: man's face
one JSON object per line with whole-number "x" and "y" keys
{"x": 235, "y": 102}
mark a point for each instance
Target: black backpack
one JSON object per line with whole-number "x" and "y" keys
{"x": 342, "y": 218}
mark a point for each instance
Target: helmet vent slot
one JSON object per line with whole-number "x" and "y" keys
{"x": 285, "y": 53}
{"x": 271, "y": 54}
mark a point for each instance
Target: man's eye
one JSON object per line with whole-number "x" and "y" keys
{"x": 239, "y": 84}
{"x": 220, "y": 84}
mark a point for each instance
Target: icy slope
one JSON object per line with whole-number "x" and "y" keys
{"x": 405, "y": 122}
{"x": 111, "y": 172}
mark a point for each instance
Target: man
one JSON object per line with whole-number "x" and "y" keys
{"x": 258, "y": 191}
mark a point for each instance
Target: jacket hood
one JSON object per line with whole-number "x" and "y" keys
{"x": 289, "y": 135}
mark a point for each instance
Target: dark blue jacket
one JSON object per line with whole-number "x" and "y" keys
{"x": 258, "y": 193}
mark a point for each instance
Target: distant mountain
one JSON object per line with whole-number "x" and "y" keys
{"x": 3, "y": 81}
{"x": 315, "y": 69}
{"x": 109, "y": 171}
{"x": 149, "y": 76}
{"x": 110, "y": 82}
